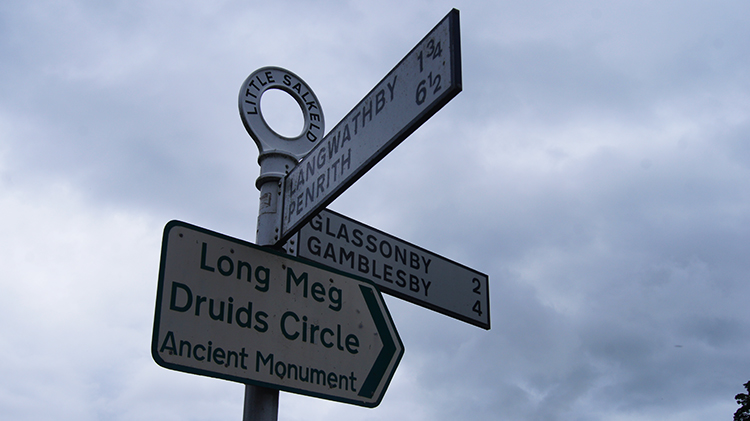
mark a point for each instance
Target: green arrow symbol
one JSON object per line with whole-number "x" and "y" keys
{"x": 389, "y": 346}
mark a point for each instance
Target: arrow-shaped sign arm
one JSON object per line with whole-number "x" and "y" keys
{"x": 380, "y": 367}
{"x": 421, "y": 83}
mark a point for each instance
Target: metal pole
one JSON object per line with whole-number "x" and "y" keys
{"x": 278, "y": 155}
{"x": 262, "y": 404}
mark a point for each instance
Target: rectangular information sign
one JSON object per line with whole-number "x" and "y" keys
{"x": 229, "y": 309}
{"x": 425, "y": 80}
{"x": 399, "y": 268}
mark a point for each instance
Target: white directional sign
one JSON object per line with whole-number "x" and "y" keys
{"x": 398, "y": 268}
{"x": 425, "y": 80}
{"x": 229, "y": 309}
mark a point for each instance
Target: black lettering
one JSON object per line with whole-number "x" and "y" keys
{"x": 364, "y": 264}
{"x": 390, "y": 87}
{"x": 198, "y": 301}
{"x": 372, "y": 245}
{"x": 413, "y": 260}
{"x": 379, "y": 101}
{"x": 195, "y": 352}
{"x": 240, "y": 266}
{"x": 290, "y": 336}
{"x": 169, "y": 344}
{"x": 263, "y": 277}
{"x": 323, "y": 337}
{"x": 334, "y": 294}
{"x": 185, "y": 345}
{"x": 352, "y": 343}
{"x": 173, "y": 298}
{"x": 426, "y": 264}
{"x": 366, "y": 113}
{"x": 328, "y": 228}
{"x": 260, "y": 319}
{"x": 400, "y": 253}
{"x": 318, "y": 373}
{"x": 346, "y": 257}
{"x": 413, "y": 283}
{"x": 426, "y": 286}
{"x": 401, "y": 275}
{"x": 219, "y": 316}
{"x": 346, "y": 137}
{"x": 387, "y": 273}
{"x": 220, "y": 265}
{"x": 291, "y": 277}
{"x": 313, "y": 246}
{"x": 317, "y": 292}
{"x": 374, "y": 269}
{"x": 385, "y": 249}
{"x": 330, "y": 253}
{"x": 357, "y": 234}
{"x": 317, "y": 223}
{"x": 247, "y": 312}
{"x": 333, "y": 145}
{"x": 343, "y": 233}
{"x": 204, "y": 266}
{"x": 265, "y": 361}
{"x": 346, "y": 160}
{"x": 354, "y": 120}
{"x": 219, "y": 356}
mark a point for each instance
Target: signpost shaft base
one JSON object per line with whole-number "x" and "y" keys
{"x": 261, "y": 404}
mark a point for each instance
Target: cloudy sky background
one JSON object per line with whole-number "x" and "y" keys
{"x": 596, "y": 166}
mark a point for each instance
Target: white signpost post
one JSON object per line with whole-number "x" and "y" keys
{"x": 425, "y": 80}
{"x": 230, "y": 309}
{"x": 398, "y": 267}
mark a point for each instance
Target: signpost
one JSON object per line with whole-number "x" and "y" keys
{"x": 233, "y": 310}
{"x": 425, "y": 80}
{"x": 398, "y": 267}
{"x": 230, "y": 309}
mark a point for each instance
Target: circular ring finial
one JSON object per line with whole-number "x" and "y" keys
{"x": 266, "y": 138}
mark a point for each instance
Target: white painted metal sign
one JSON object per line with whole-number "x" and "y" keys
{"x": 425, "y": 80}
{"x": 229, "y": 309}
{"x": 398, "y": 267}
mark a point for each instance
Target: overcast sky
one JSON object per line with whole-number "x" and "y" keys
{"x": 596, "y": 166}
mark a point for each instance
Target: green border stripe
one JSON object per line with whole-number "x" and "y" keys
{"x": 389, "y": 347}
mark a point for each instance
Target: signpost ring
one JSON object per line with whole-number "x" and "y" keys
{"x": 265, "y": 137}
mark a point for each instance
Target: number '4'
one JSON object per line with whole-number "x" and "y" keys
{"x": 477, "y": 308}
{"x": 433, "y": 51}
